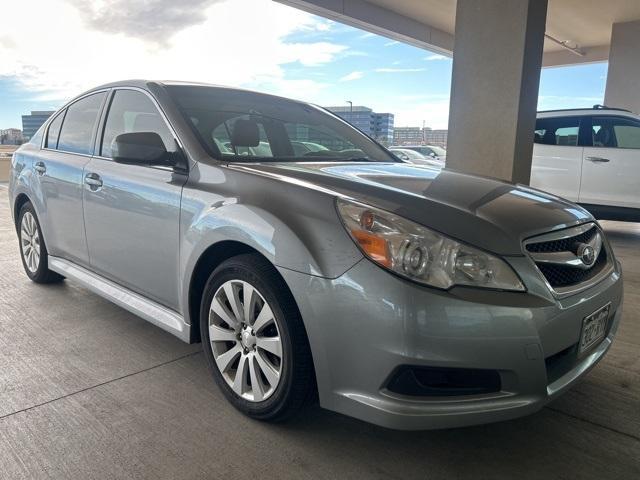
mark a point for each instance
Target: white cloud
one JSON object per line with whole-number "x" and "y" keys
{"x": 354, "y": 53}
{"x": 154, "y": 20}
{"x": 399, "y": 70}
{"x": 352, "y": 76}
{"x": 435, "y": 114}
{"x": 392, "y": 43}
{"x": 435, "y": 57}
{"x": 324, "y": 26}
{"x": 210, "y": 46}
{"x": 550, "y": 102}
{"x": 415, "y": 97}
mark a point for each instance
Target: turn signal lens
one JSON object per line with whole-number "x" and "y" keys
{"x": 420, "y": 254}
{"x": 375, "y": 247}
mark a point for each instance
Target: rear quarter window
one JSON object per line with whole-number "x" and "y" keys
{"x": 37, "y": 137}
{"x": 54, "y": 131}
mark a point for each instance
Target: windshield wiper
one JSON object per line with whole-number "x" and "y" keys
{"x": 251, "y": 158}
{"x": 356, "y": 159}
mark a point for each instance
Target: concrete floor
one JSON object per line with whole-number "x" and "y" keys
{"x": 88, "y": 390}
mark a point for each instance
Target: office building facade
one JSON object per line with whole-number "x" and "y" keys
{"x": 378, "y": 126}
{"x": 408, "y": 136}
{"x": 436, "y": 137}
{"x": 419, "y": 136}
{"x": 31, "y": 123}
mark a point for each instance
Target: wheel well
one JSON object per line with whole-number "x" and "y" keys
{"x": 20, "y": 201}
{"x": 207, "y": 263}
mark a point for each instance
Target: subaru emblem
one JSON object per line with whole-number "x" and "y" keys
{"x": 587, "y": 254}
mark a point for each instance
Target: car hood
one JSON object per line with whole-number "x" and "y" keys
{"x": 488, "y": 213}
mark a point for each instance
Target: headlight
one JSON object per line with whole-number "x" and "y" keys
{"x": 420, "y": 254}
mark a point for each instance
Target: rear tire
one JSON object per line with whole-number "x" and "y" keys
{"x": 33, "y": 250}
{"x": 259, "y": 355}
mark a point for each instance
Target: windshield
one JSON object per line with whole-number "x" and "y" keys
{"x": 411, "y": 154}
{"x": 236, "y": 125}
{"x": 439, "y": 151}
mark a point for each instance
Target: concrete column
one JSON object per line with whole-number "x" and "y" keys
{"x": 623, "y": 79}
{"x": 497, "y": 58}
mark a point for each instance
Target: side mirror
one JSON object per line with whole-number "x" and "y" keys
{"x": 141, "y": 148}
{"x": 432, "y": 155}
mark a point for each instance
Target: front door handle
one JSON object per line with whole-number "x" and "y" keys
{"x": 40, "y": 167}
{"x": 598, "y": 159}
{"x": 93, "y": 180}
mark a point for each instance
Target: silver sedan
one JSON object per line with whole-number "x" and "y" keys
{"x": 408, "y": 297}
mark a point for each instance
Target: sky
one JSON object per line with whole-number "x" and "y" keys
{"x": 255, "y": 44}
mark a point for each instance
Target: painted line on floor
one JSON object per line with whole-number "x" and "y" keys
{"x": 591, "y": 422}
{"x": 168, "y": 362}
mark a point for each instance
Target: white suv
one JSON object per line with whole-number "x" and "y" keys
{"x": 592, "y": 157}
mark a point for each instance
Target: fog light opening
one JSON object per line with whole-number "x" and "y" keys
{"x": 440, "y": 381}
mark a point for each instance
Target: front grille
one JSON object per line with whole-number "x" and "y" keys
{"x": 563, "y": 276}
{"x": 558, "y": 256}
{"x": 563, "y": 244}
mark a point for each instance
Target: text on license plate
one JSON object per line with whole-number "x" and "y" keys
{"x": 594, "y": 327}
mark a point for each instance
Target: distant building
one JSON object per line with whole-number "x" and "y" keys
{"x": 377, "y": 125}
{"x": 436, "y": 137}
{"x": 408, "y": 136}
{"x": 419, "y": 136}
{"x": 11, "y": 136}
{"x": 31, "y": 123}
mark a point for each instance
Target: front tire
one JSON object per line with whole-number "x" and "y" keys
{"x": 33, "y": 250}
{"x": 254, "y": 339}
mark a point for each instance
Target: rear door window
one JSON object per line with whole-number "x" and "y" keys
{"x": 78, "y": 127}
{"x": 562, "y": 131}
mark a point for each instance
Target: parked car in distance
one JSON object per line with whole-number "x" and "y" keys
{"x": 416, "y": 158}
{"x": 592, "y": 157}
{"x": 409, "y": 297}
{"x": 303, "y": 148}
{"x": 263, "y": 149}
{"x": 433, "y": 151}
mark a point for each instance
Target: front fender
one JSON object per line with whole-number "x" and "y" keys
{"x": 304, "y": 235}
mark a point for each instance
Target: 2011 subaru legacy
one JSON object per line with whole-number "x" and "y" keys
{"x": 408, "y": 297}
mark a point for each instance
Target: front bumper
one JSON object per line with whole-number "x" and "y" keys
{"x": 367, "y": 323}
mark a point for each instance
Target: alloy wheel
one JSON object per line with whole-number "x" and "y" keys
{"x": 245, "y": 340}
{"x": 30, "y": 242}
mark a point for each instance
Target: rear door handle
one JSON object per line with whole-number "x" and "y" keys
{"x": 598, "y": 159}
{"x": 93, "y": 180}
{"x": 40, "y": 167}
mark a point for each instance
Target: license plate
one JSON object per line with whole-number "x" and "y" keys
{"x": 594, "y": 328}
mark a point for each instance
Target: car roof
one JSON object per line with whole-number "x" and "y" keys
{"x": 146, "y": 83}
{"x": 595, "y": 110}
{"x": 143, "y": 83}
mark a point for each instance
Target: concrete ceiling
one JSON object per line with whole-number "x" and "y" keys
{"x": 583, "y": 24}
